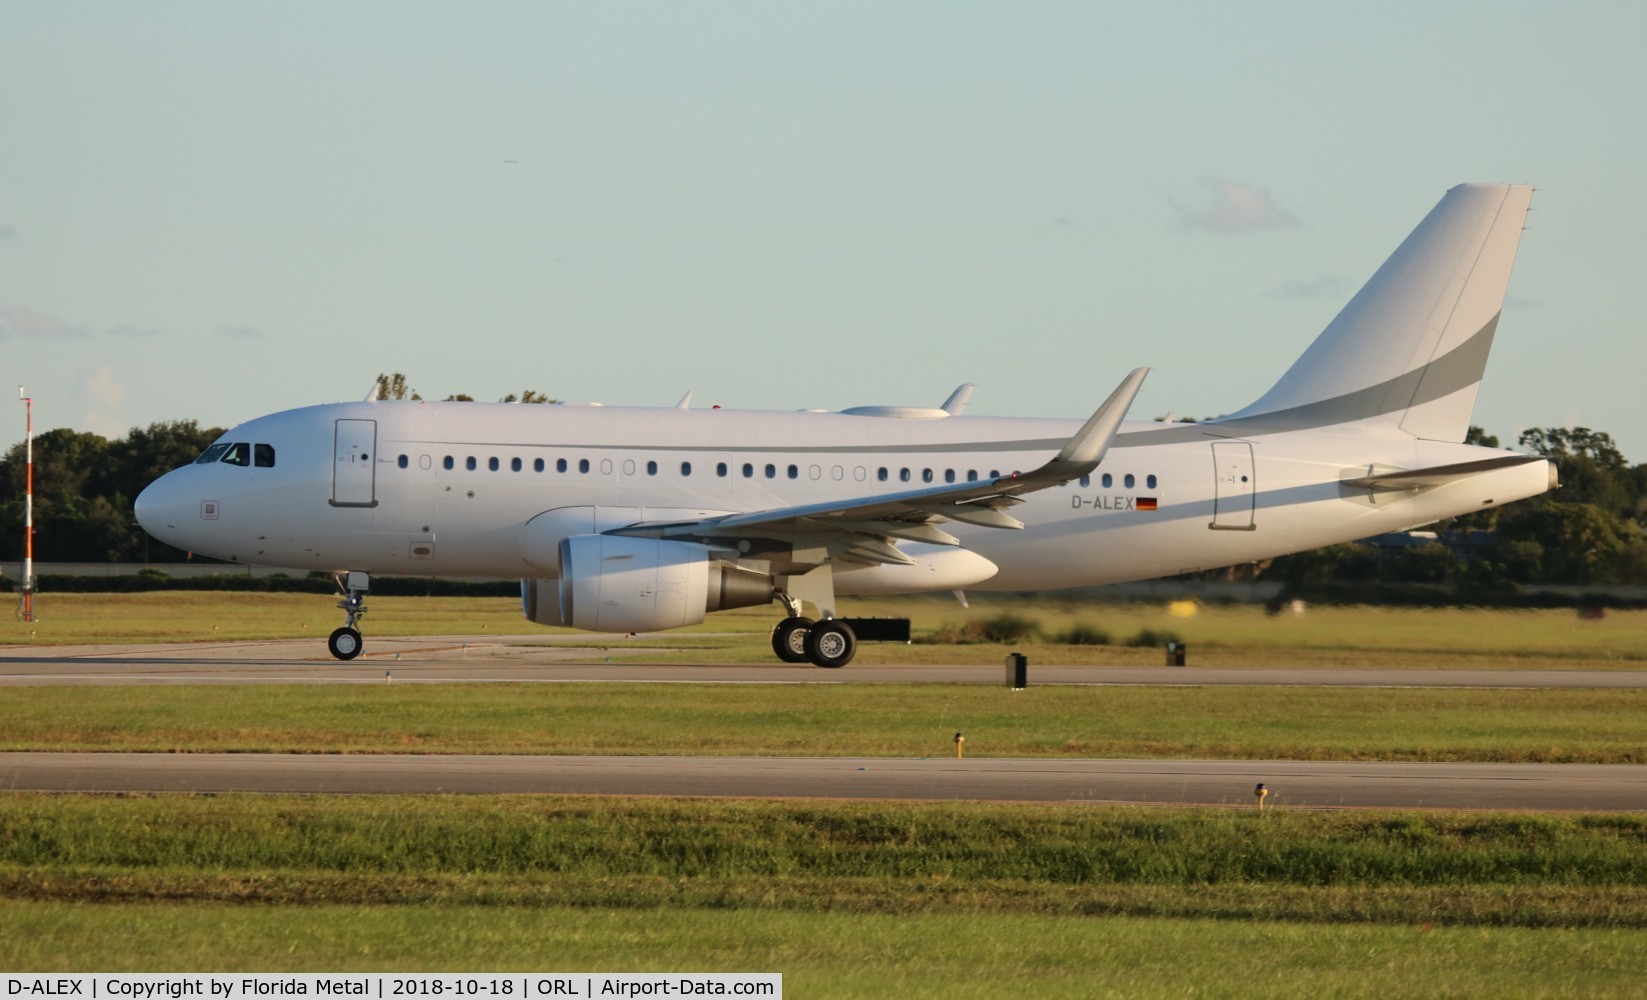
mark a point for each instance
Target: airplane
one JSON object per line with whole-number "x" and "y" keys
{"x": 629, "y": 519}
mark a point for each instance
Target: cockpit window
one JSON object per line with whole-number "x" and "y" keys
{"x": 238, "y": 453}
{"x": 263, "y": 455}
{"x": 211, "y": 454}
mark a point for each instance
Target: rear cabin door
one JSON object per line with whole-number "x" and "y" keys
{"x": 354, "y": 464}
{"x": 1235, "y": 486}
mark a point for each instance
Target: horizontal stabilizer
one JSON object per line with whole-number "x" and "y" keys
{"x": 1439, "y": 475}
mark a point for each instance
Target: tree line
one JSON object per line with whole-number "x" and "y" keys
{"x": 1589, "y": 532}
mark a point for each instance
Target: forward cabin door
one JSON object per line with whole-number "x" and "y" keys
{"x": 1235, "y": 487}
{"x": 354, "y": 464}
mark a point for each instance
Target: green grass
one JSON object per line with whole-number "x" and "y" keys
{"x": 934, "y": 955}
{"x": 1218, "y": 636}
{"x": 1323, "y": 867}
{"x": 1578, "y": 725}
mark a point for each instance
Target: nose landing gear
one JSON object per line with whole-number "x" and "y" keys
{"x": 345, "y": 643}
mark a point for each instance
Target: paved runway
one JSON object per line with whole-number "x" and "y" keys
{"x": 1229, "y": 783}
{"x": 503, "y": 659}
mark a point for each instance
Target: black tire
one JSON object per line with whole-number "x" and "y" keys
{"x": 345, "y": 643}
{"x": 789, "y": 639}
{"x": 831, "y": 643}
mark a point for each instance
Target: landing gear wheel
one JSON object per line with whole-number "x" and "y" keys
{"x": 345, "y": 643}
{"x": 789, "y": 639}
{"x": 831, "y": 643}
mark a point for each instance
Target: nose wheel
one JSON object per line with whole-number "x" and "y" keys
{"x": 345, "y": 643}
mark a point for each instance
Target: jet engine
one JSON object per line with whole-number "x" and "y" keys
{"x": 613, "y": 583}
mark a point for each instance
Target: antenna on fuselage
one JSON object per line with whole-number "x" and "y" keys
{"x": 686, "y": 401}
{"x": 373, "y": 396}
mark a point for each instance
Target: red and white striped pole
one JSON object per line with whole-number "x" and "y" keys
{"x": 28, "y": 509}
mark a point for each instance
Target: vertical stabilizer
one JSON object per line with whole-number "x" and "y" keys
{"x": 1410, "y": 348}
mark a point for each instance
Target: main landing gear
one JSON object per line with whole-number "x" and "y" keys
{"x": 345, "y": 643}
{"x": 829, "y": 643}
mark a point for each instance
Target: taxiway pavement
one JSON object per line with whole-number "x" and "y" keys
{"x": 1200, "y": 782}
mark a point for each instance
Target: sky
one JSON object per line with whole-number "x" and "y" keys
{"x": 213, "y": 211}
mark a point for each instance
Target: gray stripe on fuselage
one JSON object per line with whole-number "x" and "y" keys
{"x": 1458, "y": 369}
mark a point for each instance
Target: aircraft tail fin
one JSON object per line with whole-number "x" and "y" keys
{"x": 1410, "y": 348}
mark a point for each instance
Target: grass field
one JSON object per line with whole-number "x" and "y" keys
{"x": 870, "y": 955}
{"x": 1567, "y": 726}
{"x": 1218, "y": 635}
{"x": 847, "y": 899}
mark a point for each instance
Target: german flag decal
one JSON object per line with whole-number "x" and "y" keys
{"x": 1146, "y": 503}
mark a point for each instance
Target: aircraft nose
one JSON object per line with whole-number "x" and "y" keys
{"x": 159, "y": 508}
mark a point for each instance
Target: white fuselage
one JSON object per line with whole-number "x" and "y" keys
{"x": 449, "y": 489}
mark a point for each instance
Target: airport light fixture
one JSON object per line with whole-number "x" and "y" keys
{"x": 26, "y": 608}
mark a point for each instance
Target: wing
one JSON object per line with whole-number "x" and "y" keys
{"x": 863, "y": 529}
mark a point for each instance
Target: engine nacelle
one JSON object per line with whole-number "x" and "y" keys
{"x": 614, "y": 583}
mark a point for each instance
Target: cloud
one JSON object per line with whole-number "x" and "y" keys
{"x": 7, "y": 231}
{"x": 240, "y": 332}
{"x": 132, "y": 330}
{"x": 1321, "y": 286}
{"x": 19, "y": 321}
{"x": 1233, "y": 208}
{"x": 104, "y": 392}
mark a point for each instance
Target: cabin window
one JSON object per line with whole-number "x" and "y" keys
{"x": 560, "y": 465}
{"x": 1108, "y": 480}
{"x": 1150, "y": 482}
{"x": 748, "y": 471}
{"x": 995, "y": 473}
{"x": 447, "y": 463}
{"x": 814, "y": 472}
{"x": 514, "y": 465}
{"x": 881, "y": 473}
{"x": 686, "y": 468}
{"x": 492, "y": 463}
{"x": 403, "y": 462}
{"x": 720, "y": 469}
{"x": 424, "y": 463}
{"x": 903, "y": 475}
{"x": 949, "y": 475}
{"x": 606, "y": 466}
{"x": 628, "y": 467}
{"x": 238, "y": 454}
{"x": 469, "y": 463}
{"x": 263, "y": 456}
{"x": 1086, "y": 480}
{"x": 1129, "y": 481}
{"x": 794, "y": 472}
{"x": 211, "y": 454}
{"x": 837, "y": 473}
{"x": 583, "y": 465}
{"x": 771, "y": 471}
{"x": 651, "y": 468}
{"x": 972, "y": 475}
{"x": 926, "y": 475}
{"x": 537, "y": 465}
{"x": 860, "y": 473}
